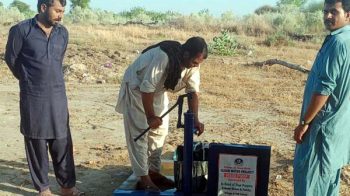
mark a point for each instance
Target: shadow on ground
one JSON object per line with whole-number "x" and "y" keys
{"x": 15, "y": 178}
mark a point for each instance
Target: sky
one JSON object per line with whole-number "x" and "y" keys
{"x": 215, "y": 7}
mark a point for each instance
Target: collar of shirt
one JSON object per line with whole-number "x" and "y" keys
{"x": 341, "y": 30}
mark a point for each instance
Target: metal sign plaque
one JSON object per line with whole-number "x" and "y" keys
{"x": 238, "y": 170}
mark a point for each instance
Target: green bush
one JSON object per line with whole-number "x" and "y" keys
{"x": 279, "y": 38}
{"x": 287, "y": 18}
{"x": 224, "y": 44}
{"x": 135, "y": 15}
{"x": 265, "y": 9}
{"x": 23, "y": 8}
{"x": 314, "y": 7}
{"x": 82, "y": 16}
{"x": 313, "y": 22}
{"x": 201, "y": 21}
{"x": 80, "y": 3}
{"x": 298, "y": 3}
{"x": 139, "y": 14}
{"x": 109, "y": 18}
{"x": 256, "y": 25}
{"x": 10, "y": 15}
{"x": 89, "y": 16}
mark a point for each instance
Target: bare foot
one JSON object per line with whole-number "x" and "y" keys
{"x": 145, "y": 183}
{"x": 46, "y": 192}
{"x": 161, "y": 181}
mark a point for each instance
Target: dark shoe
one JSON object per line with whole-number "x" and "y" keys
{"x": 142, "y": 186}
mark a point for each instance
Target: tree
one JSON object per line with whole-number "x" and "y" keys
{"x": 314, "y": 7}
{"x": 1, "y": 4}
{"x": 21, "y": 6}
{"x": 134, "y": 12}
{"x": 265, "y": 9}
{"x": 80, "y": 3}
{"x": 297, "y": 3}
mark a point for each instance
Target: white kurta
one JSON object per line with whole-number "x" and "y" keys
{"x": 147, "y": 74}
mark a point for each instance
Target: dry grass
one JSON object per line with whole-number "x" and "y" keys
{"x": 124, "y": 37}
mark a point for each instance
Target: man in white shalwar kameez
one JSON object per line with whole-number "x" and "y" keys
{"x": 166, "y": 66}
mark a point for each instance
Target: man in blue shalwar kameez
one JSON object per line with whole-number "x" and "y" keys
{"x": 323, "y": 134}
{"x": 34, "y": 54}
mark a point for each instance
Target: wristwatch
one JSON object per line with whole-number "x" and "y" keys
{"x": 303, "y": 122}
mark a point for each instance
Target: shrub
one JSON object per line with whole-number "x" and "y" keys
{"x": 10, "y": 15}
{"x": 139, "y": 14}
{"x": 230, "y": 23}
{"x": 279, "y": 38}
{"x": 224, "y": 44}
{"x": 193, "y": 22}
{"x": 256, "y": 25}
{"x": 136, "y": 15}
{"x": 80, "y": 3}
{"x": 82, "y": 16}
{"x": 265, "y": 9}
{"x": 313, "y": 22}
{"x": 314, "y": 7}
{"x": 297, "y": 3}
{"x": 288, "y": 19}
{"x": 23, "y": 8}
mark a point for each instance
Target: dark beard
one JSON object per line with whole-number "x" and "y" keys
{"x": 49, "y": 22}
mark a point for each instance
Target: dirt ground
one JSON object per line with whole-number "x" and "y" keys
{"x": 240, "y": 104}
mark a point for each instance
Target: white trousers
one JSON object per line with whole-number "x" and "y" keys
{"x": 146, "y": 152}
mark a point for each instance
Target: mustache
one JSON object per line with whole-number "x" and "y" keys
{"x": 328, "y": 21}
{"x": 56, "y": 20}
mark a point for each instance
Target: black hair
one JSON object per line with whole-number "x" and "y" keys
{"x": 195, "y": 46}
{"x": 345, "y": 3}
{"x": 175, "y": 52}
{"x": 49, "y": 3}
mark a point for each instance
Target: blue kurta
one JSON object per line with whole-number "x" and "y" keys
{"x": 36, "y": 60}
{"x": 326, "y": 146}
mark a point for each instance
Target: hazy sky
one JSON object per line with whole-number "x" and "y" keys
{"x": 216, "y": 7}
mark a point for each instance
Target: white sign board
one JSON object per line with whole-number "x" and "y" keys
{"x": 237, "y": 175}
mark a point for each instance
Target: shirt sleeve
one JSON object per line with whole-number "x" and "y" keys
{"x": 66, "y": 39}
{"x": 330, "y": 71}
{"x": 13, "y": 48}
{"x": 154, "y": 72}
{"x": 192, "y": 84}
